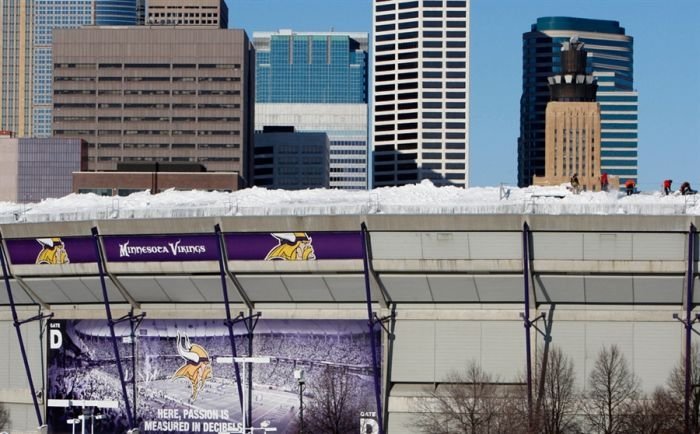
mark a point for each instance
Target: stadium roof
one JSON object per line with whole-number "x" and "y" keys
{"x": 423, "y": 198}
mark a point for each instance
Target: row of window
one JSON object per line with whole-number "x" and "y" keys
{"x": 147, "y": 65}
{"x": 414, "y": 4}
{"x": 145, "y": 92}
{"x": 92, "y": 105}
{"x": 143, "y": 119}
{"x": 145, "y": 132}
{"x": 130, "y": 79}
{"x": 165, "y": 145}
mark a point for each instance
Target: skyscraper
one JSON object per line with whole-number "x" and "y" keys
{"x": 15, "y": 66}
{"x": 421, "y": 92}
{"x": 610, "y": 60}
{"x": 51, "y": 14}
{"x": 58, "y": 14}
{"x": 317, "y": 82}
{"x": 572, "y": 137}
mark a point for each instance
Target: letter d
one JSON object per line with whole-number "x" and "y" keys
{"x": 55, "y": 339}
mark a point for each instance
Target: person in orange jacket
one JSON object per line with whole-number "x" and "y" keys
{"x": 629, "y": 186}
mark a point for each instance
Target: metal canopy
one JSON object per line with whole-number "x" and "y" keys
{"x": 21, "y": 297}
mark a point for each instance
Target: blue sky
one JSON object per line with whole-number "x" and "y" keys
{"x": 667, "y": 71}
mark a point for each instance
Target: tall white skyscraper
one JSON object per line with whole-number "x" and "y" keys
{"x": 420, "y": 119}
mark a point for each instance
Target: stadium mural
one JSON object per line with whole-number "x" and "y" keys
{"x": 182, "y": 386}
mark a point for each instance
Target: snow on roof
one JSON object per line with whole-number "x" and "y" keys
{"x": 423, "y": 198}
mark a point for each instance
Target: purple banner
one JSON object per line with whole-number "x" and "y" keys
{"x": 161, "y": 248}
{"x": 51, "y": 250}
{"x": 294, "y": 246}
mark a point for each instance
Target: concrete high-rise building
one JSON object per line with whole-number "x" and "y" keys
{"x": 158, "y": 93}
{"x": 206, "y": 13}
{"x": 420, "y": 124}
{"x": 317, "y": 82}
{"x": 572, "y": 126}
{"x": 610, "y": 60}
{"x": 35, "y": 169}
{"x": 17, "y": 29}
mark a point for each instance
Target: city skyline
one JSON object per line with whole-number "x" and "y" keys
{"x": 669, "y": 107}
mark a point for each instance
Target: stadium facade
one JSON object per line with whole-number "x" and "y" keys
{"x": 611, "y": 61}
{"x": 449, "y": 289}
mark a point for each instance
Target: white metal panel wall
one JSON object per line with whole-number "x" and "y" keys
{"x": 651, "y": 348}
{"x": 557, "y": 245}
{"x": 503, "y": 349}
{"x": 414, "y": 352}
{"x": 657, "y": 349}
{"x": 607, "y": 246}
{"x": 13, "y": 380}
{"x": 651, "y": 246}
{"x": 446, "y": 245}
{"x": 403, "y": 423}
{"x": 427, "y": 351}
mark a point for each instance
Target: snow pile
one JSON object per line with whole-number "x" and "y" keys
{"x": 423, "y": 198}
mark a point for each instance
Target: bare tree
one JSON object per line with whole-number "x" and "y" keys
{"x": 336, "y": 403}
{"x": 557, "y": 401}
{"x": 653, "y": 415}
{"x": 612, "y": 389}
{"x": 4, "y": 417}
{"x": 676, "y": 389}
{"x": 468, "y": 402}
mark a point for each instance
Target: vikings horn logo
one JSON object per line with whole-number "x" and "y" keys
{"x": 197, "y": 367}
{"x": 53, "y": 251}
{"x": 292, "y": 247}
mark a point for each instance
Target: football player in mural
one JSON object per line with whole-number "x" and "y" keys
{"x": 53, "y": 251}
{"x": 197, "y": 367}
{"x": 292, "y": 247}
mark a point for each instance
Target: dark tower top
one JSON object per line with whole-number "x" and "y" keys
{"x": 572, "y": 83}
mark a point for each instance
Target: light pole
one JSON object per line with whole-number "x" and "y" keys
{"x": 299, "y": 376}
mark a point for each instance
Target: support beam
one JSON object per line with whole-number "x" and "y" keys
{"x": 526, "y": 319}
{"x": 111, "y": 323}
{"x": 371, "y": 324}
{"x": 224, "y": 255}
{"x": 690, "y": 277}
{"x": 229, "y": 321}
{"x": 18, "y": 324}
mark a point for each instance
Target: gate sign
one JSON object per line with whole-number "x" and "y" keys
{"x": 294, "y": 246}
{"x": 161, "y": 248}
{"x": 51, "y": 250}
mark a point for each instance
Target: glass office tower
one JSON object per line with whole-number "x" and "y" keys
{"x": 51, "y": 14}
{"x": 118, "y": 12}
{"x": 317, "y": 82}
{"x": 610, "y": 60}
{"x": 421, "y": 92}
{"x": 56, "y": 14}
